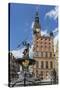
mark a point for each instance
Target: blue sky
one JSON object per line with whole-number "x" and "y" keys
{"x": 22, "y": 17}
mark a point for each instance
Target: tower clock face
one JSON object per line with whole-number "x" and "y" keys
{"x": 37, "y": 30}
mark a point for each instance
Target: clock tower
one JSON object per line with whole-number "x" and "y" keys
{"x": 43, "y": 51}
{"x": 36, "y": 27}
{"x": 36, "y": 31}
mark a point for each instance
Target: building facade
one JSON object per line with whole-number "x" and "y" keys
{"x": 56, "y": 60}
{"x": 43, "y": 48}
{"x": 14, "y": 68}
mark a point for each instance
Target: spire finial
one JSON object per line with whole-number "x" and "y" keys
{"x": 37, "y": 8}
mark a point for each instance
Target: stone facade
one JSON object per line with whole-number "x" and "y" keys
{"x": 14, "y": 68}
{"x": 56, "y": 60}
{"x": 43, "y": 48}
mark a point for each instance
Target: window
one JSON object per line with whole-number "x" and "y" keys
{"x": 49, "y": 42}
{"x": 41, "y": 46}
{"x": 45, "y": 42}
{"x": 37, "y": 64}
{"x": 35, "y": 54}
{"x": 41, "y": 75}
{"x": 41, "y": 38}
{"x": 44, "y": 54}
{"x": 50, "y": 54}
{"x": 47, "y": 73}
{"x": 42, "y": 64}
{"x": 45, "y": 38}
{"x": 46, "y": 64}
{"x": 37, "y": 46}
{"x": 41, "y": 54}
{"x": 51, "y": 64}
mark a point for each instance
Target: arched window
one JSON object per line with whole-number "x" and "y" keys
{"x": 35, "y": 54}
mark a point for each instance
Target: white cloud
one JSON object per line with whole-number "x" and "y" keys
{"x": 44, "y": 32}
{"x": 31, "y": 52}
{"x": 53, "y": 13}
{"x": 55, "y": 42}
{"x": 56, "y": 37}
{"x": 55, "y": 30}
{"x": 19, "y": 53}
{"x": 32, "y": 24}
